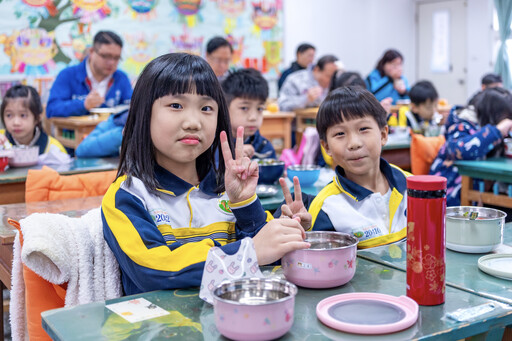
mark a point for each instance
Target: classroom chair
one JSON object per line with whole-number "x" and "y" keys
{"x": 74, "y": 261}
{"x": 47, "y": 184}
{"x": 424, "y": 151}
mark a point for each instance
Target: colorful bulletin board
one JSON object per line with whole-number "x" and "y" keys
{"x": 41, "y": 37}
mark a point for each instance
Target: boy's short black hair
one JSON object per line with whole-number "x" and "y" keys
{"x": 347, "y": 103}
{"x": 491, "y": 78}
{"x": 216, "y": 43}
{"x": 423, "y": 91}
{"x": 329, "y": 58}
{"x": 106, "y": 38}
{"x": 31, "y": 101}
{"x": 304, "y": 47}
{"x": 346, "y": 78}
{"x": 245, "y": 83}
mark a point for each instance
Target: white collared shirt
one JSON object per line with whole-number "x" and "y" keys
{"x": 100, "y": 87}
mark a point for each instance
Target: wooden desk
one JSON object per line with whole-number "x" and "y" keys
{"x": 192, "y": 319}
{"x": 496, "y": 169}
{"x": 70, "y": 131}
{"x": 305, "y": 118}
{"x": 12, "y": 181}
{"x": 277, "y": 128}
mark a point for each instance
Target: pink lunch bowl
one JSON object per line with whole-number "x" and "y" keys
{"x": 24, "y": 156}
{"x": 254, "y": 308}
{"x": 329, "y": 262}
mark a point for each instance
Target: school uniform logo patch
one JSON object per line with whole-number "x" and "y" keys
{"x": 160, "y": 217}
{"x": 224, "y": 206}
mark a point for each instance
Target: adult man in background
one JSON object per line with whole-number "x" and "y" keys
{"x": 95, "y": 82}
{"x": 307, "y": 88}
{"x": 218, "y": 54}
{"x": 305, "y": 57}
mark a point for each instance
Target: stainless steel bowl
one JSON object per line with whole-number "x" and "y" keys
{"x": 473, "y": 229}
{"x": 255, "y": 291}
{"x": 303, "y": 167}
{"x": 326, "y": 240}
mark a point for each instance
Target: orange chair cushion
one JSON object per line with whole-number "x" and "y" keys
{"x": 40, "y": 295}
{"x": 423, "y": 152}
{"x": 47, "y": 184}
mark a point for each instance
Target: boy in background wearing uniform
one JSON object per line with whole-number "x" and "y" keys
{"x": 422, "y": 116}
{"x": 246, "y": 92}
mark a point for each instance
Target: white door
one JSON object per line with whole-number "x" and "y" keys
{"x": 442, "y": 48}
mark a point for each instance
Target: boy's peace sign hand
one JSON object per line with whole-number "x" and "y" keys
{"x": 241, "y": 175}
{"x": 295, "y": 208}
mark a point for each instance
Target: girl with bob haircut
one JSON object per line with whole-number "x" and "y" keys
{"x": 167, "y": 206}
{"x": 473, "y": 135}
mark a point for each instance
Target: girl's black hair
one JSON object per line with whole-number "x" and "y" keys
{"x": 347, "y": 103}
{"x": 32, "y": 101}
{"x": 493, "y": 105}
{"x": 170, "y": 74}
{"x": 388, "y": 56}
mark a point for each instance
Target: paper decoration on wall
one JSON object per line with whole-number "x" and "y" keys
{"x": 188, "y": 11}
{"x": 142, "y": 9}
{"x": 272, "y": 56}
{"x": 90, "y": 10}
{"x": 187, "y": 43}
{"x": 264, "y": 15}
{"x": 78, "y": 44}
{"x": 146, "y": 29}
{"x": 35, "y": 8}
{"x": 238, "y": 48}
{"x": 231, "y": 9}
{"x": 140, "y": 50}
{"x": 31, "y": 50}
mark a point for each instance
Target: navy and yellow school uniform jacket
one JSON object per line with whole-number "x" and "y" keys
{"x": 161, "y": 240}
{"x": 373, "y": 218}
{"x": 44, "y": 142}
{"x": 261, "y": 145}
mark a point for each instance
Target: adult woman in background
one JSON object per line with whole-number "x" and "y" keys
{"x": 387, "y": 79}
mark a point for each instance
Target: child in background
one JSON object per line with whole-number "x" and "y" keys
{"x": 21, "y": 111}
{"x": 421, "y": 117}
{"x": 368, "y": 195}
{"x": 246, "y": 92}
{"x": 489, "y": 80}
{"x": 167, "y": 207}
{"x": 473, "y": 135}
{"x": 105, "y": 140}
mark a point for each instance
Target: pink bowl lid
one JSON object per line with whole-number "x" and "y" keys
{"x": 367, "y": 313}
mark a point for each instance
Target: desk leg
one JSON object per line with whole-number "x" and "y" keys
{"x": 2, "y": 287}
{"x": 464, "y": 191}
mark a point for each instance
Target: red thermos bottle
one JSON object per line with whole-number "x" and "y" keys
{"x": 426, "y": 209}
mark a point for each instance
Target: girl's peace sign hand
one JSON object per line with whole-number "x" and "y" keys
{"x": 295, "y": 208}
{"x": 241, "y": 175}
